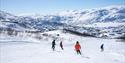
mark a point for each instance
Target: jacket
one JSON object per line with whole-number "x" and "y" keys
{"x": 77, "y": 47}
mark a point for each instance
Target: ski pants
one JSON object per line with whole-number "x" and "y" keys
{"x": 78, "y": 52}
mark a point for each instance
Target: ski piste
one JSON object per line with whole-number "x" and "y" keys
{"x": 31, "y": 50}
{"x": 83, "y": 56}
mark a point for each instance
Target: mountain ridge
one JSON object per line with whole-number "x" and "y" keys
{"x": 76, "y": 20}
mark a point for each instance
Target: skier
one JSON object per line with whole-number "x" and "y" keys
{"x": 102, "y": 47}
{"x": 53, "y": 45}
{"x": 61, "y": 45}
{"x": 77, "y": 48}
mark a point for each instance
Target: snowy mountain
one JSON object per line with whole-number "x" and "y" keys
{"x": 92, "y": 19}
{"x": 106, "y": 14}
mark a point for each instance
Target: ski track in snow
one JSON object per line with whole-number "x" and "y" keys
{"x": 34, "y": 51}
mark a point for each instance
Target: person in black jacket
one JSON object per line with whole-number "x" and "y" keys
{"x": 53, "y": 45}
{"x": 61, "y": 45}
{"x": 102, "y": 47}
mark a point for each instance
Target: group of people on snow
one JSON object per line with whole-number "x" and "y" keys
{"x": 53, "y": 45}
{"x": 77, "y": 47}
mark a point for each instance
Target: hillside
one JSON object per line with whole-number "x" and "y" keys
{"x": 24, "y": 48}
{"x": 102, "y": 21}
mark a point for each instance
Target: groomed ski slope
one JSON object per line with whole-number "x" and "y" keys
{"x": 30, "y": 50}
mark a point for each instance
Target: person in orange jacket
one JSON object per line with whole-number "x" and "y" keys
{"x": 77, "y": 48}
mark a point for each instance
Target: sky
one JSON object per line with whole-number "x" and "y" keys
{"x": 53, "y": 6}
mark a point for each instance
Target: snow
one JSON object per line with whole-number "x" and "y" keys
{"x": 36, "y": 48}
{"x": 113, "y": 13}
{"x": 14, "y": 26}
{"x": 106, "y": 24}
{"x": 31, "y": 50}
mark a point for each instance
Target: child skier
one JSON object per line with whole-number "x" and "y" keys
{"x": 77, "y": 48}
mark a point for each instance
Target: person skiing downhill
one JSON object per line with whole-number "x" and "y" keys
{"x": 53, "y": 45}
{"x": 77, "y": 48}
{"x": 61, "y": 45}
{"x": 102, "y": 47}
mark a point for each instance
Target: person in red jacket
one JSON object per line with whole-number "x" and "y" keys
{"x": 77, "y": 48}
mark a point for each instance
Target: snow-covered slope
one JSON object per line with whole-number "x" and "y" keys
{"x": 100, "y": 18}
{"x": 106, "y": 14}
{"x": 4, "y": 16}
{"x": 30, "y": 50}
{"x": 76, "y": 17}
